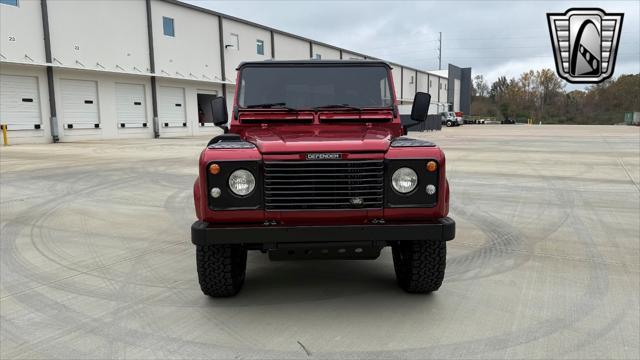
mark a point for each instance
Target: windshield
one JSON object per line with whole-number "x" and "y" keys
{"x": 307, "y": 87}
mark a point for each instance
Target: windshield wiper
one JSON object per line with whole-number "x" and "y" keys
{"x": 278, "y": 105}
{"x": 337, "y": 106}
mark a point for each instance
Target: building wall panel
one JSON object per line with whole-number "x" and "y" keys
{"x": 456, "y": 95}
{"x": 443, "y": 90}
{"x": 433, "y": 87}
{"x": 105, "y": 43}
{"x": 409, "y": 84}
{"x": 326, "y": 53}
{"x": 289, "y": 48}
{"x": 22, "y": 33}
{"x": 423, "y": 82}
{"x": 99, "y": 35}
{"x": 193, "y": 53}
{"x": 351, "y": 56}
{"x": 241, "y": 44}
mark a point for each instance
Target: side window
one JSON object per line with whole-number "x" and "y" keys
{"x": 260, "y": 47}
{"x": 445, "y": 86}
{"x": 411, "y": 80}
{"x": 384, "y": 92}
{"x": 168, "y": 26}
{"x": 235, "y": 42}
{"x": 9, "y": 2}
{"x": 430, "y": 83}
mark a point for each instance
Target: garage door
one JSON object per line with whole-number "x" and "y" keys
{"x": 171, "y": 111}
{"x": 130, "y": 105}
{"x": 79, "y": 104}
{"x": 19, "y": 102}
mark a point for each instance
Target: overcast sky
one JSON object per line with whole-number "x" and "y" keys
{"x": 493, "y": 37}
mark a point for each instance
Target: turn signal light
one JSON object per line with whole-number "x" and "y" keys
{"x": 214, "y": 169}
{"x": 432, "y": 166}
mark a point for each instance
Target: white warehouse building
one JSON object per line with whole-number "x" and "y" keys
{"x": 101, "y": 69}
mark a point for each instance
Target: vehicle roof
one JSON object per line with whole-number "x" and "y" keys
{"x": 314, "y": 63}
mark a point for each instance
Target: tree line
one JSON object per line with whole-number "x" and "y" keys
{"x": 541, "y": 95}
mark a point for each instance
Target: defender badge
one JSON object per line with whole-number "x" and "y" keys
{"x": 324, "y": 156}
{"x": 585, "y": 43}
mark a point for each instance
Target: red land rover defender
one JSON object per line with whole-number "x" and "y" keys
{"x": 314, "y": 165}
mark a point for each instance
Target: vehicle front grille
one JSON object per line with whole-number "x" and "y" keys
{"x": 327, "y": 185}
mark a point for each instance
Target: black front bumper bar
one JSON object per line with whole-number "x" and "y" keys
{"x": 203, "y": 233}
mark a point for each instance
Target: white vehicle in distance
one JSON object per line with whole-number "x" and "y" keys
{"x": 450, "y": 119}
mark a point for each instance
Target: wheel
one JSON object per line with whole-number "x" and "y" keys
{"x": 449, "y": 123}
{"x": 420, "y": 265}
{"x": 221, "y": 269}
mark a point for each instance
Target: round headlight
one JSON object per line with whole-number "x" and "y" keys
{"x": 242, "y": 182}
{"x": 404, "y": 180}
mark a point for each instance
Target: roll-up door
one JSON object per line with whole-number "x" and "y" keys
{"x": 171, "y": 110}
{"x": 79, "y": 104}
{"x": 130, "y": 105}
{"x": 19, "y": 102}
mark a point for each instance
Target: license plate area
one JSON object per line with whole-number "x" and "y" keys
{"x": 365, "y": 250}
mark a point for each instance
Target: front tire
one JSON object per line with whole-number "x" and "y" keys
{"x": 420, "y": 265}
{"x": 449, "y": 123}
{"x": 221, "y": 269}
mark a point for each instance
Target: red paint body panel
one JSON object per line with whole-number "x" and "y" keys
{"x": 287, "y": 135}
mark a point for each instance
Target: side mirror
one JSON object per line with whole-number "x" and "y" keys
{"x": 219, "y": 111}
{"x": 420, "y": 107}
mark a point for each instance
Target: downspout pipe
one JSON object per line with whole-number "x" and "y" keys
{"x": 222, "y": 49}
{"x": 152, "y": 67}
{"x": 53, "y": 114}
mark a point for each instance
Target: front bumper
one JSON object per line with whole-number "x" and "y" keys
{"x": 203, "y": 233}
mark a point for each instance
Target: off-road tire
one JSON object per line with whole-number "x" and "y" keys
{"x": 221, "y": 269}
{"x": 449, "y": 123}
{"x": 419, "y": 265}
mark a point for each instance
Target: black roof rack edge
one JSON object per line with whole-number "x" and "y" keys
{"x": 312, "y": 62}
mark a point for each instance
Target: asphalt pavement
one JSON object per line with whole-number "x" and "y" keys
{"x": 96, "y": 259}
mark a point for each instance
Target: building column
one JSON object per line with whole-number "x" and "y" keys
{"x": 273, "y": 46}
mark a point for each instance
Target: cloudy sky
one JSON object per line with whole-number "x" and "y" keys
{"x": 493, "y": 37}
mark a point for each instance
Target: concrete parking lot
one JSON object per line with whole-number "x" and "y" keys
{"x": 97, "y": 260}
